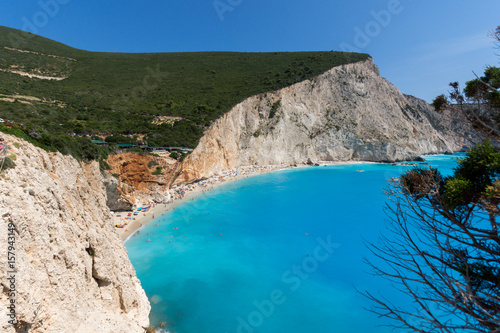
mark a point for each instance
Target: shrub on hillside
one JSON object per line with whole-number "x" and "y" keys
{"x": 274, "y": 108}
{"x": 6, "y": 163}
{"x": 152, "y": 163}
{"x": 158, "y": 171}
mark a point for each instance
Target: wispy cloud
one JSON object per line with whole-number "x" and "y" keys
{"x": 454, "y": 47}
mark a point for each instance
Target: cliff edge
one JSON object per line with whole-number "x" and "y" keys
{"x": 348, "y": 113}
{"x": 66, "y": 269}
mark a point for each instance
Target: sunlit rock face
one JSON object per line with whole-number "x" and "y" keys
{"x": 72, "y": 270}
{"x": 348, "y": 113}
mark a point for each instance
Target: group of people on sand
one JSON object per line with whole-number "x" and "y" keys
{"x": 180, "y": 191}
{"x": 144, "y": 209}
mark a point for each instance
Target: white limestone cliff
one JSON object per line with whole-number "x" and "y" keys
{"x": 72, "y": 270}
{"x": 348, "y": 113}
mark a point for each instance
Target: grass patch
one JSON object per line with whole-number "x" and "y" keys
{"x": 158, "y": 171}
{"x": 6, "y": 163}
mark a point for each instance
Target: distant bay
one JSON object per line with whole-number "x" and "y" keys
{"x": 280, "y": 252}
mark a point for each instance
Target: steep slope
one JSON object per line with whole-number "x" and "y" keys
{"x": 148, "y": 176}
{"x": 130, "y": 93}
{"x": 347, "y": 113}
{"x": 72, "y": 272}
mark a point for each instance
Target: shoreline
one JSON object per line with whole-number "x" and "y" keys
{"x": 193, "y": 190}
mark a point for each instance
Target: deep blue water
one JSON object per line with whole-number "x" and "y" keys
{"x": 281, "y": 252}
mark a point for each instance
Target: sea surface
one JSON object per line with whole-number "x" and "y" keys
{"x": 280, "y": 252}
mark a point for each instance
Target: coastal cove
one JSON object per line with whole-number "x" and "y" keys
{"x": 169, "y": 168}
{"x": 279, "y": 252}
{"x": 190, "y": 191}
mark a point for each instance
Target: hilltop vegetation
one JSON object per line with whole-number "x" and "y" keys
{"x": 85, "y": 92}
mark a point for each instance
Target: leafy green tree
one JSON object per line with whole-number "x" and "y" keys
{"x": 485, "y": 88}
{"x": 445, "y": 253}
{"x": 479, "y": 101}
{"x": 440, "y": 102}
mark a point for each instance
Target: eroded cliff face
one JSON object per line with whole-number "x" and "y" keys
{"x": 348, "y": 113}
{"x": 138, "y": 182}
{"x": 72, "y": 271}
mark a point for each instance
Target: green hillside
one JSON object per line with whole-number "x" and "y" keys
{"x": 122, "y": 93}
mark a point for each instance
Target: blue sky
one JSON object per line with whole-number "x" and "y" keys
{"x": 420, "y": 46}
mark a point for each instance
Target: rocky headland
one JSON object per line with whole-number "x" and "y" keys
{"x": 71, "y": 269}
{"x": 349, "y": 113}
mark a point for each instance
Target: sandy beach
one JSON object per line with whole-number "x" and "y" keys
{"x": 179, "y": 194}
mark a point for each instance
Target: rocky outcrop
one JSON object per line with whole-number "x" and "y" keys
{"x": 142, "y": 178}
{"x": 348, "y": 113}
{"x": 72, "y": 272}
{"x": 119, "y": 196}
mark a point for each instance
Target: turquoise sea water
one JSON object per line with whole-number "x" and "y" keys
{"x": 281, "y": 252}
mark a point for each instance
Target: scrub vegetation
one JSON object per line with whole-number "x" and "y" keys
{"x": 167, "y": 99}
